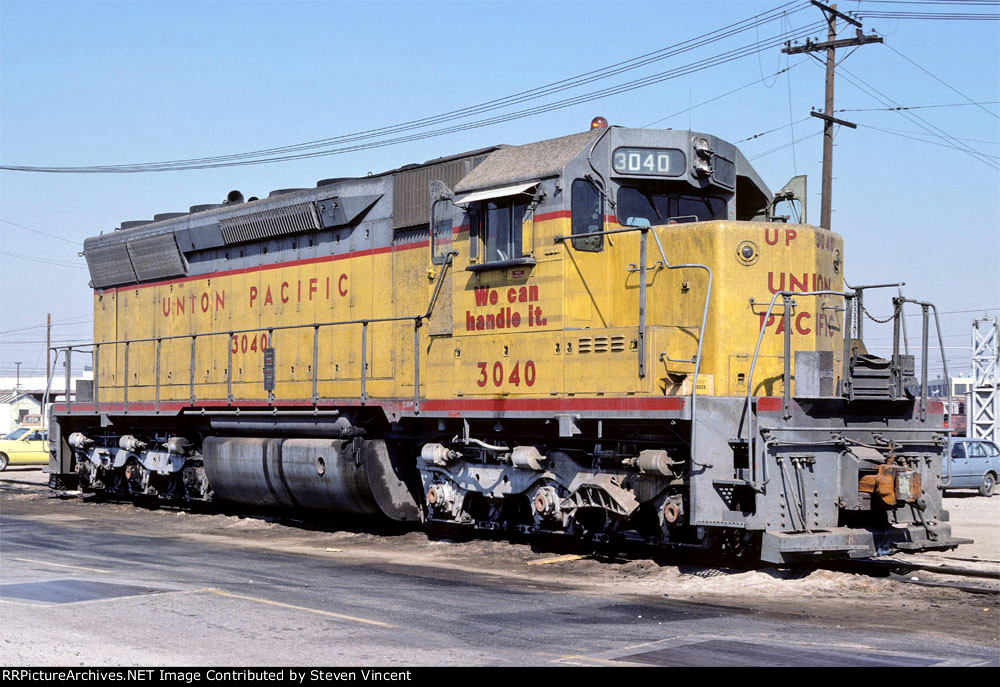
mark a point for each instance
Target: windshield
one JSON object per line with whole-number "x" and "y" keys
{"x": 641, "y": 207}
{"x": 17, "y": 433}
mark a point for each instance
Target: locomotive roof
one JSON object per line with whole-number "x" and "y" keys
{"x": 511, "y": 164}
{"x": 150, "y": 249}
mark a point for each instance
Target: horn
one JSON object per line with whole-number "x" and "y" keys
{"x": 234, "y": 197}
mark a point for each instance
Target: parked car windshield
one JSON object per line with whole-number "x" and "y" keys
{"x": 17, "y": 433}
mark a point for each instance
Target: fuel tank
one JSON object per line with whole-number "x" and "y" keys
{"x": 334, "y": 475}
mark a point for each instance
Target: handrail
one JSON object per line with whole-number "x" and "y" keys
{"x": 944, "y": 362}
{"x": 897, "y": 381}
{"x": 701, "y": 339}
{"x": 786, "y": 299}
{"x": 364, "y": 322}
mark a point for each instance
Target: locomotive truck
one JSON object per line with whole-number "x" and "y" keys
{"x": 607, "y": 335}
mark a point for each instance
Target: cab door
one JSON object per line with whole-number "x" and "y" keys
{"x": 978, "y": 462}
{"x": 33, "y": 448}
{"x": 960, "y": 469}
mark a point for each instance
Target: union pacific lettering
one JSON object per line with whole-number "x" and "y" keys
{"x": 297, "y": 291}
{"x": 803, "y": 323}
{"x": 175, "y": 306}
{"x": 506, "y": 317}
{"x": 817, "y": 281}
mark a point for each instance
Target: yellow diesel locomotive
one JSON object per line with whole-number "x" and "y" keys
{"x": 607, "y": 335}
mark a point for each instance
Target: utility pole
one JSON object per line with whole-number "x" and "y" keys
{"x": 17, "y": 384}
{"x": 830, "y": 46}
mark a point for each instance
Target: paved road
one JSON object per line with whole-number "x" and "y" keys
{"x": 76, "y": 593}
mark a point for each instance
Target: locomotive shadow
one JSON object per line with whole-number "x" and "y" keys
{"x": 616, "y": 552}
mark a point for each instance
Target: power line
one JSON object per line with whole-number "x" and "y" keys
{"x": 926, "y": 16}
{"x": 918, "y": 133}
{"x": 38, "y": 231}
{"x": 915, "y": 118}
{"x": 945, "y": 83}
{"x": 917, "y": 107}
{"x": 42, "y": 260}
{"x": 921, "y": 140}
{"x": 69, "y": 321}
{"x": 953, "y": 3}
{"x": 944, "y": 312}
{"x": 786, "y": 145}
{"x": 771, "y": 131}
{"x": 255, "y": 156}
{"x": 719, "y": 97}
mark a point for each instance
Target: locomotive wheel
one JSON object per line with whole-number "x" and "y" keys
{"x": 735, "y": 546}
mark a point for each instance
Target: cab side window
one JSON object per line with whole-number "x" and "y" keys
{"x": 587, "y": 215}
{"x": 500, "y": 228}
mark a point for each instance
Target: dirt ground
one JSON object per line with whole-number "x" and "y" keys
{"x": 844, "y": 599}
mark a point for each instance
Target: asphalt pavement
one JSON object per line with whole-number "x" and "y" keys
{"x": 80, "y": 591}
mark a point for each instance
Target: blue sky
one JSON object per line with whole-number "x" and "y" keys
{"x": 95, "y": 83}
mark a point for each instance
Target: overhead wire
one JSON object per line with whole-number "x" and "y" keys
{"x": 953, "y": 3}
{"x": 914, "y": 107}
{"x": 42, "y": 260}
{"x": 943, "y": 82}
{"x": 771, "y": 131}
{"x": 719, "y": 97}
{"x": 38, "y": 231}
{"x": 254, "y": 157}
{"x": 921, "y": 140}
{"x": 926, "y": 16}
{"x": 873, "y": 92}
{"x": 786, "y": 145}
{"x": 788, "y": 85}
{"x": 69, "y": 321}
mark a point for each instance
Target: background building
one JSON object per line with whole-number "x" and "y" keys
{"x": 23, "y": 404}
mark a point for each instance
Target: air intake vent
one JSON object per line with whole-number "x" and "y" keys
{"x": 156, "y": 257}
{"x": 272, "y": 222}
{"x": 109, "y": 265}
{"x": 601, "y": 344}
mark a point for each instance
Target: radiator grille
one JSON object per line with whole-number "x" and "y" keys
{"x": 291, "y": 219}
{"x": 410, "y": 204}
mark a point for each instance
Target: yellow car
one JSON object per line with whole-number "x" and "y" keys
{"x": 25, "y": 446}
